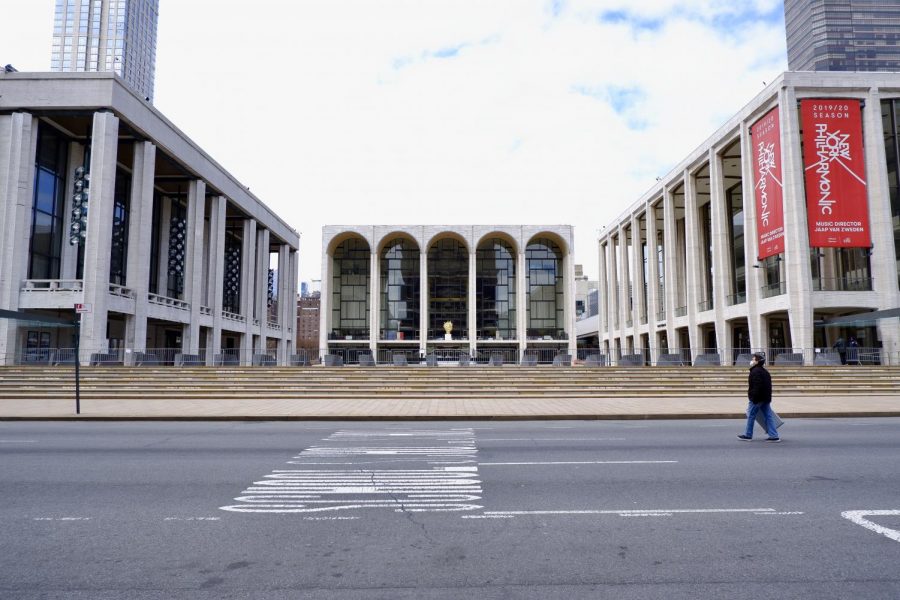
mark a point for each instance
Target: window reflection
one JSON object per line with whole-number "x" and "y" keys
{"x": 495, "y": 290}
{"x": 399, "y": 319}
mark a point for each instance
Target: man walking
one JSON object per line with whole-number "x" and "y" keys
{"x": 759, "y": 392}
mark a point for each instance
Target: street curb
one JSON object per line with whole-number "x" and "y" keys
{"x": 576, "y": 417}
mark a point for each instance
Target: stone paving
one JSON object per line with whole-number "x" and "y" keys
{"x": 473, "y": 408}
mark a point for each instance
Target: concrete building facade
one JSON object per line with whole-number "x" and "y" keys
{"x": 502, "y": 291}
{"x": 106, "y": 204}
{"x": 681, "y": 272}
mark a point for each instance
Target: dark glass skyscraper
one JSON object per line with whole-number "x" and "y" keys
{"x": 843, "y": 35}
{"x": 107, "y": 35}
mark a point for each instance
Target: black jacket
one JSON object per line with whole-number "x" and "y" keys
{"x": 759, "y": 390}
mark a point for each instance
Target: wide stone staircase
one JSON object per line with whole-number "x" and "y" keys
{"x": 420, "y": 382}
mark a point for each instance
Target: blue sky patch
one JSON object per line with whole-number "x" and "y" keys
{"x": 621, "y": 17}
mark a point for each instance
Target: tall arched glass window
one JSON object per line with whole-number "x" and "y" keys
{"x": 546, "y": 286}
{"x": 448, "y": 288}
{"x": 350, "y": 290}
{"x": 495, "y": 290}
{"x": 399, "y": 318}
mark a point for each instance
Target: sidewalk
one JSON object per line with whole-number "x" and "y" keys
{"x": 436, "y": 409}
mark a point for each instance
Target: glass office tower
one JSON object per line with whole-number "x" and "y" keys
{"x": 843, "y": 35}
{"x": 107, "y": 35}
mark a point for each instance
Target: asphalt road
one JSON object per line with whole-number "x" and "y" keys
{"x": 379, "y": 510}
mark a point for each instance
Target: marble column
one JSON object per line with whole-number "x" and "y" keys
{"x": 140, "y": 232}
{"x": 98, "y": 245}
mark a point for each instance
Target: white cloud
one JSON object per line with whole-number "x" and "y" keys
{"x": 304, "y": 101}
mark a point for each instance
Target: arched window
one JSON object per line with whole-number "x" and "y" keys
{"x": 448, "y": 288}
{"x": 400, "y": 293}
{"x": 495, "y": 290}
{"x": 350, "y": 290}
{"x": 546, "y": 304}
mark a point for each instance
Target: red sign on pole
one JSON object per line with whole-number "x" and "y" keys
{"x": 769, "y": 191}
{"x": 837, "y": 208}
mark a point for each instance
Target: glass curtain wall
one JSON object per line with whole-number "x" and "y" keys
{"x": 119, "y": 242}
{"x": 231, "y": 281}
{"x": 495, "y": 290}
{"x": 546, "y": 287}
{"x": 734, "y": 199}
{"x": 177, "y": 248}
{"x": 49, "y": 204}
{"x": 448, "y": 288}
{"x": 350, "y": 290}
{"x": 399, "y": 319}
{"x": 706, "y": 228}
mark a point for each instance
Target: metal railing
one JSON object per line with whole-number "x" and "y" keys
{"x": 162, "y": 357}
{"x": 738, "y": 298}
{"x": 680, "y": 311}
{"x": 842, "y": 284}
{"x": 436, "y": 357}
{"x": 705, "y": 306}
{"x": 773, "y": 289}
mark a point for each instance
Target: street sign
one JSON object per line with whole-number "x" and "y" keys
{"x": 83, "y": 309}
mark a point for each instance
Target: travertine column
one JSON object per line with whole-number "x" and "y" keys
{"x": 613, "y": 297}
{"x": 755, "y": 276}
{"x": 248, "y": 288}
{"x": 325, "y": 302}
{"x": 98, "y": 245}
{"x": 374, "y": 302}
{"x": 796, "y": 235}
{"x": 695, "y": 260}
{"x": 18, "y": 145}
{"x": 284, "y": 303}
{"x": 423, "y": 301}
{"x": 670, "y": 236}
{"x": 522, "y": 300}
{"x": 193, "y": 262}
{"x": 622, "y": 267}
{"x": 569, "y": 300}
{"x": 721, "y": 255}
{"x": 262, "y": 277}
{"x": 637, "y": 277}
{"x": 472, "y": 321}
{"x": 602, "y": 294}
{"x": 884, "y": 259}
{"x": 140, "y": 232}
{"x": 216, "y": 274}
{"x": 653, "y": 299}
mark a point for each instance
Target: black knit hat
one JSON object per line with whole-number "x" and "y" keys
{"x": 760, "y": 358}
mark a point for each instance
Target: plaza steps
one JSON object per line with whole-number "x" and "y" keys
{"x": 386, "y": 382}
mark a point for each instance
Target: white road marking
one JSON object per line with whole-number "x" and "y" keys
{"x": 792, "y": 512}
{"x": 858, "y": 517}
{"x": 589, "y": 462}
{"x": 193, "y": 519}
{"x": 61, "y": 519}
{"x": 628, "y": 512}
{"x": 553, "y": 439}
{"x": 432, "y": 489}
{"x": 18, "y": 441}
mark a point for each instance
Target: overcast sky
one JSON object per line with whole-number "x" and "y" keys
{"x": 446, "y": 111}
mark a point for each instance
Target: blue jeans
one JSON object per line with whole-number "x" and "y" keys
{"x": 766, "y": 409}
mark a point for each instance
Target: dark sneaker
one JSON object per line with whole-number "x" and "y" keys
{"x": 746, "y": 438}
{"x": 771, "y": 439}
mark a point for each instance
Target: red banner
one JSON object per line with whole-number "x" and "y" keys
{"x": 837, "y": 208}
{"x": 769, "y": 192}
